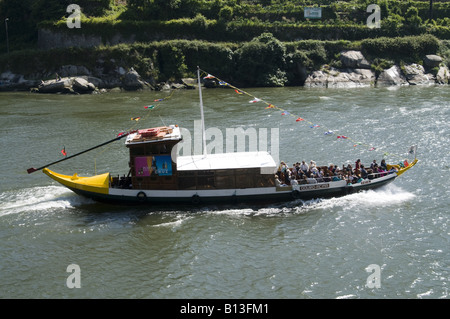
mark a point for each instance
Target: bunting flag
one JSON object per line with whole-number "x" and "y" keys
{"x": 150, "y": 107}
{"x": 63, "y": 151}
{"x": 158, "y": 100}
{"x": 136, "y": 118}
{"x": 297, "y": 118}
{"x": 209, "y": 76}
{"x": 223, "y": 83}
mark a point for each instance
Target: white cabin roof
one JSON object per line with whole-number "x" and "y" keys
{"x": 227, "y": 161}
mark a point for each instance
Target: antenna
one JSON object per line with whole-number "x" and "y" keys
{"x": 201, "y": 111}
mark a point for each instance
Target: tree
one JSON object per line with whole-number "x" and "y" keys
{"x": 261, "y": 62}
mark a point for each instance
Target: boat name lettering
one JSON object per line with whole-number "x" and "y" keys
{"x": 366, "y": 182}
{"x": 317, "y": 186}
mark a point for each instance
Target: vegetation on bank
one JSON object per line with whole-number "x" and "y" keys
{"x": 259, "y": 43}
{"x": 263, "y": 61}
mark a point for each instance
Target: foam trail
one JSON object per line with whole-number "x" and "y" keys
{"x": 386, "y": 196}
{"x": 38, "y": 199}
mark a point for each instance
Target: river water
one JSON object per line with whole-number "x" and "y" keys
{"x": 388, "y": 243}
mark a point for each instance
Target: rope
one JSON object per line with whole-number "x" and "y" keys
{"x": 298, "y": 118}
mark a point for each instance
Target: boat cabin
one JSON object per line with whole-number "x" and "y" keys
{"x": 152, "y": 166}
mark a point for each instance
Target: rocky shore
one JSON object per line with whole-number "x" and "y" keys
{"x": 354, "y": 71}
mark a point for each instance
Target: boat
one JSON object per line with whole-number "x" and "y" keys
{"x": 158, "y": 175}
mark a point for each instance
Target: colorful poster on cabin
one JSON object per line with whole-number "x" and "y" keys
{"x": 153, "y": 165}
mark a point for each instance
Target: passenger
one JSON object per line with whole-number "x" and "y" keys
{"x": 304, "y": 167}
{"x": 277, "y": 182}
{"x": 350, "y": 169}
{"x": 358, "y": 166}
{"x": 294, "y": 182}
{"x": 383, "y": 165}
{"x": 373, "y": 164}
{"x": 375, "y": 171}
{"x": 336, "y": 178}
{"x": 363, "y": 172}
{"x": 311, "y": 180}
{"x": 359, "y": 179}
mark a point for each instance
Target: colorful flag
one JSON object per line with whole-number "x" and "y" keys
{"x": 135, "y": 118}
{"x": 254, "y": 100}
{"x": 315, "y": 125}
{"x": 299, "y": 119}
{"x": 158, "y": 100}
{"x": 342, "y": 136}
{"x": 271, "y": 106}
{"x": 149, "y": 107}
{"x": 223, "y": 83}
{"x": 63, "y": 151}
{"x": 372, "y": 149}
{"x": 328, "y": 133}
{"x": 285, "y": 113}
{"x": 238, "y": 92}
{"x": 209, "y": 76}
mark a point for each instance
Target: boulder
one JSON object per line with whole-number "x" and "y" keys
{"x": 415, "y": 75}
{"x": 432, "y": 60}
{"x": 132, "y": 81}
{"x": 391, "y": 76}
{"x": 81, "y": 85}
{"x": 443, "y": 75}
{"x": 52, "y": 86}
{"x": 354, "y": 60}
{"x": 346, "y": 78}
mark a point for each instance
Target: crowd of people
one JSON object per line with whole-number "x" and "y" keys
{"x": 302, "y": 173}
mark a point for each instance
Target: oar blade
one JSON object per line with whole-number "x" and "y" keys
{"x": 31, "y": 170}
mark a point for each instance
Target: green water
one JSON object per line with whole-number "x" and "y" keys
{"x": 314, "y": 249}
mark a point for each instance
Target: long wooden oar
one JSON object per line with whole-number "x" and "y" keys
{"x": 32, "y": 169}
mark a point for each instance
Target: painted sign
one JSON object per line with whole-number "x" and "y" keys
{"x": 313, "y": 13}
{"x": 153, "y": 165}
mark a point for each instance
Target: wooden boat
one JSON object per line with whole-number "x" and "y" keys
{"x": 158, "y": 175}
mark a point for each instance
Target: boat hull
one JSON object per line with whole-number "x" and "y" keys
{"x": 231, "y": 196}
{"x": 98, "y": 189}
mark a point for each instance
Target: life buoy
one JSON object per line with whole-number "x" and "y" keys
{"x": 296, "y": 194}
{"x": 195, "y": 199}
{"x": 141, "y": 196}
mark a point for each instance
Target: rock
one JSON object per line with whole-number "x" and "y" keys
{"x": 190, "y": 83}
{"x": 354, "y": 60}
{"x": 415, "y": 75}
{"x": 391, "y": 76}
{"x": 443, "y": 75}
{"x": 346, "y": 78}
{"x": 432, "y": 60}
{"x": 132, "y": 81}
{"x": 62, "y": 86}
{"x": 82, "y": 86}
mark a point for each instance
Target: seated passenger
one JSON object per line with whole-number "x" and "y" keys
{"x": 311, "y": 180}
{"x": 363, "y": 172}
{"x": 383, "y": 165}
